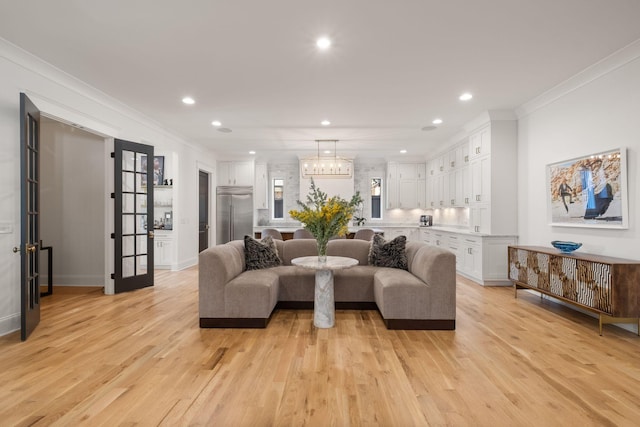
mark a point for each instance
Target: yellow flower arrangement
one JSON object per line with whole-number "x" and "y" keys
{"x": 325, "y": 217}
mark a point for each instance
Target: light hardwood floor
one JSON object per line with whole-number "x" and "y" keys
{"x": 141, "y": 359}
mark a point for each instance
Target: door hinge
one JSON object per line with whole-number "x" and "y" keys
{"x": 113, "y": 235}
{"x": 113, "y": 195}
{"x": 113, "y": 276}
{"x": 113, "y": 155}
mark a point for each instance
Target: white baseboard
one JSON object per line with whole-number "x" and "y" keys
{"x": 9, "y": 324}
{"x": 186, "y": 264}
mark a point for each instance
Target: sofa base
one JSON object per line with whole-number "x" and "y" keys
{"x": 231, "y": 322}
{"x": 421, "y": 324}
{"x": 340, "y": 305}
{"x": 400, "y": 324}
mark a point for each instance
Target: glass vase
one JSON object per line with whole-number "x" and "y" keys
{"x": 322, "y": 251}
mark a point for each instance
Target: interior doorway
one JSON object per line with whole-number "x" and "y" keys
{"x": 73, "y": 204}
{"x": 203, "y": 210}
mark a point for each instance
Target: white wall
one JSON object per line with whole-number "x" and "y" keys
{"x": 62, "y": 96}
{"x": 72, "y": 203}
{"x": 594, "y": 111}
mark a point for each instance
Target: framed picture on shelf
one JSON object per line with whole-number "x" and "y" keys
{"x": 589, "y": 191}
{"x": 158, "y": 170}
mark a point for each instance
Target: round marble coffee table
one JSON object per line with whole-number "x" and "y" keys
{"x": 324, "y": 309}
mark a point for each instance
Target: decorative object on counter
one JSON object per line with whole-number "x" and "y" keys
{"x": 325, "y": 217}
{"x": 566, "y": 247}
{"x": 358, "y": 218}
{"x": 390, "y": 254}
{"x": 426, "y": 220}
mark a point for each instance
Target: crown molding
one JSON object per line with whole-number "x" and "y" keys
{"x": 65, "y": 113}
{"x": 618, "y": 59}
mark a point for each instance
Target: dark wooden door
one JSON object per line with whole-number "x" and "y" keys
{"x": 30, "y": 215}
{"x": 133, "y": 216}
{"x": 203, "y": 212}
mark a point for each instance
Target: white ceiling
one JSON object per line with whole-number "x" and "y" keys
{"x": 394, "y": 65}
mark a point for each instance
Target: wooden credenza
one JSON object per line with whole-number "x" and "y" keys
{"x": 605, "y": 285}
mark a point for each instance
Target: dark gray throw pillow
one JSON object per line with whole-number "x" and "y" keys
{"x": 260, "y": 254}
{"x": 391, "y": 254}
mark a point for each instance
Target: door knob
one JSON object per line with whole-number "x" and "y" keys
{"x": 31, "y": 248}
{"x": 151, "y": 234}
{"x": 16, "y": 249}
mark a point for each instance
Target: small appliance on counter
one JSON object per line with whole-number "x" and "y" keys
{"x": 426, "y": 220}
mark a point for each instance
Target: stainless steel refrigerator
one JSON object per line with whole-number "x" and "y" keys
{"x": 234, "y": 213}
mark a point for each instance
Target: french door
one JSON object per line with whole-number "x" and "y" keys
{"x": 133, "y": 215}
{"x": 30, "y": 216}
{"x": 203, "y": 211}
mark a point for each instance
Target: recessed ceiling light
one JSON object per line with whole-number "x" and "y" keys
{"x": 327, "y": 151}
{"x": 403, "y": 151}
{"x": 465, "y": 96}
{"x": 216, "y": 123}
{"x": 437, "y": 121}
{"x": 252, "y": 152}
{"x": 188, "y": 100}
{"x": 325, "y": 123}
{"x": 323, "y": 43}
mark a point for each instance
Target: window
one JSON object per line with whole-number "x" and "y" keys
{"x": 278, "y": 198}
{"x": 376, "y": 198}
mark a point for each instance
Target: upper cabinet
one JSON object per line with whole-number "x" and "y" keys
{"x": 479, "y": 174}
{"x": 235, "y": 173}
{"x": 406, "y": 185}
{"x": 493, "y": 178}
{"x": 261, "y": 188}
{"x": 480, "y": 143}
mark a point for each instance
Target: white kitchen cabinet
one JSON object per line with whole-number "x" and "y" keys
{"x": 466, "y": 186}
{"x": 482, "y": 259}
{"x": 471, "y": 257}
{"x": 392, "y": 185}
{"x": 480, "y": 143}
{"x": 164, "y": 250}
{"x": 261, "y": 188}
{"x": 480, "y": 218}
{"x": 408, "y": 194}
{"x": 481, "y": 180}
{"x": 427, "y": 236}
{"x": 235, "y": 173}
{"x": 422, "y": 194}
{"x": 406, "y": 185}
{"x": 493, "y": 183}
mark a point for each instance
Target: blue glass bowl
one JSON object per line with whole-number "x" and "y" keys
{"x": 566, "y": 247}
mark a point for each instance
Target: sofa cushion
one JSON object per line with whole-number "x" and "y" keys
{"x": 295, "y": 248}
{"x": 390, "y": 254}
{"x": 260, "y": 254}
{"x": 252, "y": 294}
{"x": 358, "y": 249}
{"x": 355, "y": 283}
{"x": 401, "y": 295}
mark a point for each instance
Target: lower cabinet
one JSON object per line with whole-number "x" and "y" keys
{"x": 607, "y": 286}
{"x": 164, "y": 255}
{"x": 479, "y": 258}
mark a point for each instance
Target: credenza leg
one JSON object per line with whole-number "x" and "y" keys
{"x": 606, "y": 319}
